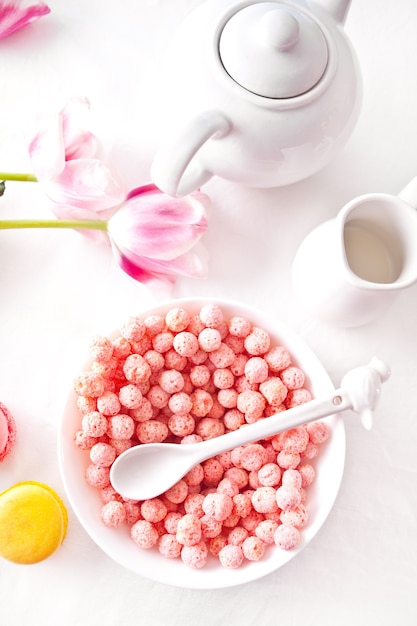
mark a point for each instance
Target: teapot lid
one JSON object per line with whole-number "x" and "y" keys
{"x": 273, "y": 50}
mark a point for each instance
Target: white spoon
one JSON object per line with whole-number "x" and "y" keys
{"x": 145, "y": 471}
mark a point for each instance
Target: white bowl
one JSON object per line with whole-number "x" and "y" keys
{"x": 117, "y": 543}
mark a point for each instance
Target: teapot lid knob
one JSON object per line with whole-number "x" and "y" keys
{"x": 273, "y": 50}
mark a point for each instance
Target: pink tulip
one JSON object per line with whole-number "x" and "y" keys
{"x": 64, "y": 155}
{"x": 15, "y": 14}
{"x": 156, "y": 236}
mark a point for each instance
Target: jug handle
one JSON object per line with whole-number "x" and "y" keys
{"x": 409, "y": 193}
{"x": 170, "y": 169}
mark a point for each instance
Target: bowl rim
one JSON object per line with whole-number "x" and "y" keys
{"x": 85, "y": 500}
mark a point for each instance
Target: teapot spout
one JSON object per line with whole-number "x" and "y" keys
{"x": 338, "y": 9}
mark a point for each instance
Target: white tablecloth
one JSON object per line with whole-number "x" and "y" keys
{"x": 58, "y": 289}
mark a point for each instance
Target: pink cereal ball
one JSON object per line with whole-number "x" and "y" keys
{"x": 109, "y": 493}
{"x": 185, "y": 343}
{"x": 288, "y": 498}
{"x": 181, "y": 424}
{"x": 257, "y": 342}
{"x": 242, "y": 504}
{"x": 296, "y": 397}
{"x": 252, "y": 404}
{"x": 163, "y": 341}
{"x": 202, "y": 402}
{"x": 144, "y": 412}
{"x": 97, "y": 476}
{"x": 136, "y": 369}
{"x": 217, "y": 411}
{"x": 238, "y": 475}
{"x": 237, "y": 535}
{"x": 311, "y": 451}
{"x": 273, "y": 390}
{"x": 292, "y": 377}
{"x": 130, "y": 396}
{"x": 132, "y": 511}
{"x": 278, "y": 358}
{"x": 269, "y": 475}
{"x": 200, "y": 375}
{"x": 210, "y": 527}
{"x": 291, "y": 478}
{"x": 234, "y": 419}
{"x": 108, "y": 403}
{"x": 228, "y": 486}
{"x": 238, "y": 365}
{"x": 152, "y": 431}
{"x": 209, "y": 428}
{"x": 195, "y": 556}
{"x": 265, "y": 530}
{"x": 193, "y": 503}
{"x": 153, "y": 510}
{"x": 120, "y": 426}
{"x": 121, "y": 347}
{"x": 216, "y": 544}
{"x": 318, "y": 432}
{"x": 171, "y": 521}
{"x": 307, "y": 473}
{"x": 209, "y": 339}
{"x": 133, "y": 329}
{"x": 158, "y": 397}
{"x": 177, "y": 319}
{"x": 256, "y": 369}
{"x": 174, "y": 361}
{"x": 154, "y": 324}
{"x": 252, "y": 457}
{"x": 237, "y": 344}
{"x": 223, "y": 356}
{"x": 264, "y": 500}
{"x": 218, "y": 505}
{"x": 288, "y": 460}
{"x": 239, "y": 326}
{"x": 286, "y": 537}
{"x": 231, "y": 556}
{"x": 144, "y": 534}
{"x": 86, "y": 404}
{"x": 294, "y": 439}
{"x": 178, "y": 492}
{"x": 253, "y": 548}
{"x": 89, "y": 384}
{"x": 169, "y": 547}
{"x": 102, "y": 454}
{"x": 154, "y": 359}
{"x": 84, "y": 441}
{"x": 211, "y": 315}
{"x": 188, "y": 530}
{"x": 228, "y": 399}
{"x": 171, "y": 380}
{"x": 113, "y": 514}
{"x": 101, "y": 349}
{"x": 297, "y": 516}
{"x": 180, "y": 403}
{"x": 223, "y": 378}
{"x": 120, "y": 445}
{"x": 254, "y": 482}
{"x": 251, "y": 521}
{"x": 94, "y": 424}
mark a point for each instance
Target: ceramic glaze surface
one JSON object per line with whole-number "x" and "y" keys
{"x": 260, "y": 116}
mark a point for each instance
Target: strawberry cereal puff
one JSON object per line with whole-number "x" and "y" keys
{"x": 186, "y": 377}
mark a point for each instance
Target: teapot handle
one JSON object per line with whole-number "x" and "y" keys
{"x": 170, "y": 169}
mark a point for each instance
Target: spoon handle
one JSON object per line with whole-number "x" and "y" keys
{"x": 307, "y": 412}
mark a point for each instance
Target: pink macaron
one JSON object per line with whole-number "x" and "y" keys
{"x": 7, "y": 432}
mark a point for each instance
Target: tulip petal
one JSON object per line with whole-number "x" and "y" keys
{"x": 86, "y": 184}
{"x": 15, "y": 15}
{"x": 192, "y": 264}
{"x": 46, "y": 148}
{"x": 78, "y": 142}
{"x": 157, "y": 226}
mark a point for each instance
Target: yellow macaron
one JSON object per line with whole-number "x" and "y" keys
{"x": 33, "y": 522}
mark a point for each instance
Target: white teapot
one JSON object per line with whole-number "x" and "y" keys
{"x": 260, "y": 93}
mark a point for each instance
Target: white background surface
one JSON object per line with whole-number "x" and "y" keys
{"x": 57, "y": 290}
